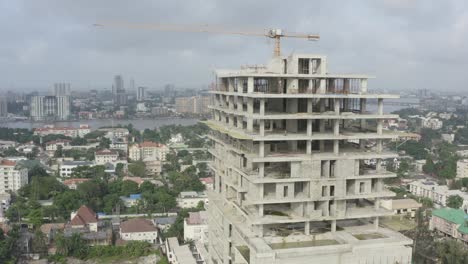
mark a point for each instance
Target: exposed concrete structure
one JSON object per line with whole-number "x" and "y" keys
{"x": 290, "y": 185}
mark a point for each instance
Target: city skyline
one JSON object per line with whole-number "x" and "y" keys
{"x": 394, "y": 43}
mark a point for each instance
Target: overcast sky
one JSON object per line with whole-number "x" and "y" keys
{"x": 406, "y": 44}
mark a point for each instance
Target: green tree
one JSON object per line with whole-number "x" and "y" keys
{"x": 454, "y": 201}
{"x": 119, "y": 169}
{"x": 67, "y": 202}
{"x": 129, "y": 187}
{"x": 429, "y": 167}
{"x": 137, "y": 168}
{"x": 452, "y": 252}
{"x": 59, "y": 152}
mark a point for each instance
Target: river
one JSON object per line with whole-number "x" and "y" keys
{"x": 139, "y": 124}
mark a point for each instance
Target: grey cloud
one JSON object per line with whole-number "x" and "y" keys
{"x": 402, "y": 42}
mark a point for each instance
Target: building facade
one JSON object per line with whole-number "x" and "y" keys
{"x": 290, "y": 183}
{"x": 50, "y": 108}
{"x": 148, "y": 151}
{"x": 462, "y": 168}
{"x": 13, "y": 176}
{"x": 450, "y": 222}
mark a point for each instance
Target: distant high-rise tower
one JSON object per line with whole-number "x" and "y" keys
{"x": 3, "y": 106}
{"x": 118, "y": 91}
{"x": 132, "y": 85}
{"x": 62, "y": 89}
{"x": 50, "y": 107}
{"x": 141, "y": 93}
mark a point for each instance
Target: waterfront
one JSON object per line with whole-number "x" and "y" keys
{"x": 139, "y": 124}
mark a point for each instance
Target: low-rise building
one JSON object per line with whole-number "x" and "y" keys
{"x": 6, "y": 144}
{"x": 208, "y": 182}
{"x": 178, "y": 254}
{"x": 439, "y": 194}
{"x": 66, "y": 131}
{"x": 153, "y": 167}
{"x": 148, "y": 151}
{"x": 85, "y": 218}
{"x": 52, "y": 146}
{"x": 432, "y": 123}
{"x": 105, "y": 156}
{"x": 115, "y": 132}
{"x": 138, "y": 229}
{"x": 196, "y": 226}
{"x": 462, "y": 168}
{"x": 131, "y": 200}
{"x": 407, "y": 207}
{"x": 450, "y": 222}
{"x": 67, "y": 166}
{"x": 73, "y": 183}
{"x": 12, "y": 176}
{"x": 191, "y": 199}
{"x": 163, "y": 223}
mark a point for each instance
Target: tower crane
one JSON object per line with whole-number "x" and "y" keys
{"x": 275, "y": 34}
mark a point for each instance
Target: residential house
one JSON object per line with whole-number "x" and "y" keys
{"x": 407, "y": 207}
{"x": 106, "y": 156}
{"x": 138, "y": 229}
{"x": 12, "y": 176}
{"x": 73, "y": 183}
{"x": 85, "y": 217}
{"x": 148, "y": 151}
{"x": 450, "y": 222}
{"x": 66, "y": 167}
{"x": 191, "y": 199}
{"x": 196, "y": 226}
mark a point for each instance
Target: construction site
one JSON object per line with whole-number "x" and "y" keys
{"x": 291, "y": 186}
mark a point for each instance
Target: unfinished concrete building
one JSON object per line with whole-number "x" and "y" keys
{"x": 291, "y": 185}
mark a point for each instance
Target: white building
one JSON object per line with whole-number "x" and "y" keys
{"x": 116, "y": 132}
{"x": 105, "y": 156}
{"x": 401, "y": 206}
{"x": 6, "y": 144}
{"x": 437, "y": 193}
{"x": 191, "y": 199}
{"x": 66, "y": 131}
{"x": 148, "y": 151}
{"x": 462, "y": 168}
{"x": 138, "y": 229}
{"x": 66, "y": 167}
{"x": 432, "y": 123}
{"x": 52, "y": 146}
{"x": 12, "y": 176}
{"x": 178, "y": 254}
{"x": 196, "y": 226}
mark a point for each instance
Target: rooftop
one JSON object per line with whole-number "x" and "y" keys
{"x": 137, "y": 225}
{"x": 197, "y": 218}
{"x": 455, "y": 216}
{"x": 84, "y": 216}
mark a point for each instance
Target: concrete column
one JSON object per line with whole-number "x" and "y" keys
{"x": 377, "y": 204}
{"x": 260, "y": 210}
{"x": 322, "y": 145}
{"x": 261, "y": 170}
{"x": 261, "y": 149}
{"x": 336, "y": 147}
{"x": 250, "y": 106}
{"x": 262, "y": 106}
{"x": 309, "y": 147}
{"x": 379, "y": 145}
{"x": 230, "y": 84}
{"x": 346, "y": 86}
{"x": 379, "y": 127}
{"x": 240, "y": 121}
{"x": 363, "y": 85}
{"x": 262, "y": 127}
{"x": 250, "y": 85}
{"x": 231, "y": 120}
{"x": 309, "y": 127}
{"x": 333, "y": 226}
{"x": 250, "y": 124}
{"x": 307, "y": 228}
{"x": 376, "y": 223}
{"x": 323, "y": 86}
{"x": 322, "y": 105}
{"x": 380, "y": 106}
{"x": 336, "y": 127}
{"x": 378, "y": 166}
{"x": 310, "y": 105}
{"x": 336, "y": 106}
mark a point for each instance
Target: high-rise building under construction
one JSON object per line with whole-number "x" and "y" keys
{"x": 290, "y": 141}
